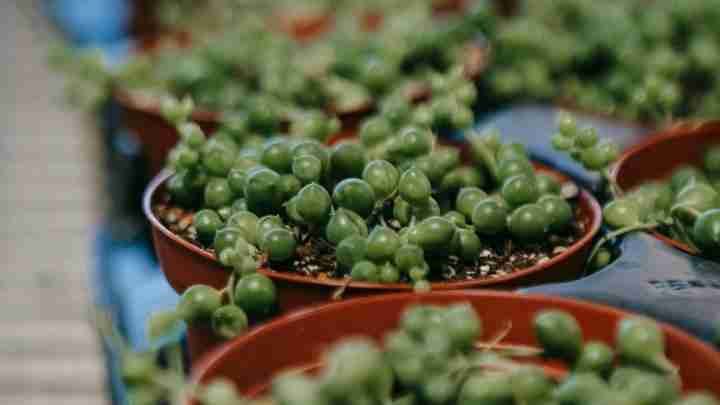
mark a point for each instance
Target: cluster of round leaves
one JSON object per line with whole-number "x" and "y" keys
{"x": 583, "y": 144}
{"x": 431, "y": 359}
{"x": 394, "y": 210}
{"x": 227, "y": 312}
{"x": 449, "y": 108}
{"x": 619, "y": 57}
{"x": 204, "y": 177}
{"x": 686, "y": 206}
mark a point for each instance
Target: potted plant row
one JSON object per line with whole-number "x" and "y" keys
{"x": 266, "y": 75}
{"x": 560, "y": 53}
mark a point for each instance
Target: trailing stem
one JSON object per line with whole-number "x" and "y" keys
{"x": 619, "y": 232}
{"x": 230, "y": 288}
{"x": 338, "y": 293}
{"x": 614, "y": 188}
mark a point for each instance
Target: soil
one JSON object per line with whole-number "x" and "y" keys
{"x": 316, "y": 256}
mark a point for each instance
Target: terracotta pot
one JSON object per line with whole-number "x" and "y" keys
{"x": 661, "y": 153}
{"x": 448, "y": 6}
{"x": 200, "y": 341}
{"x": 371, "y": 21}
{"x": 185, "y": 264}
{"x": 303, "y": 27}
{"x": 252, "y": 360}
{"x": 141, "y": 114}
{"x": 155, "y": 135}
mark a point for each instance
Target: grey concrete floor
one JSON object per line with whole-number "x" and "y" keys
{"x": 48, "y": 207}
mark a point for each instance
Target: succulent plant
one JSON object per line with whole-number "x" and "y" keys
{"x": 684, "y": 206}
{"x": 436, "y": 356}
{"x": 409, "y": 208}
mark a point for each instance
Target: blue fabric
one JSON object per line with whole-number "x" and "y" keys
{"x": 155, "y": 294}
{"x": 124, "y": 280}
{"x": 129, "y": 286}
{"x": 120, "y": 266}
{"x": 91, "y": 21}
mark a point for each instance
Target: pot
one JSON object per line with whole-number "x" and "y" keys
{"x": 141, "y": 115}
{"x": 267, "y": 351}
{"x": 661, "y": 153}
{"x": 185, "y": 264}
